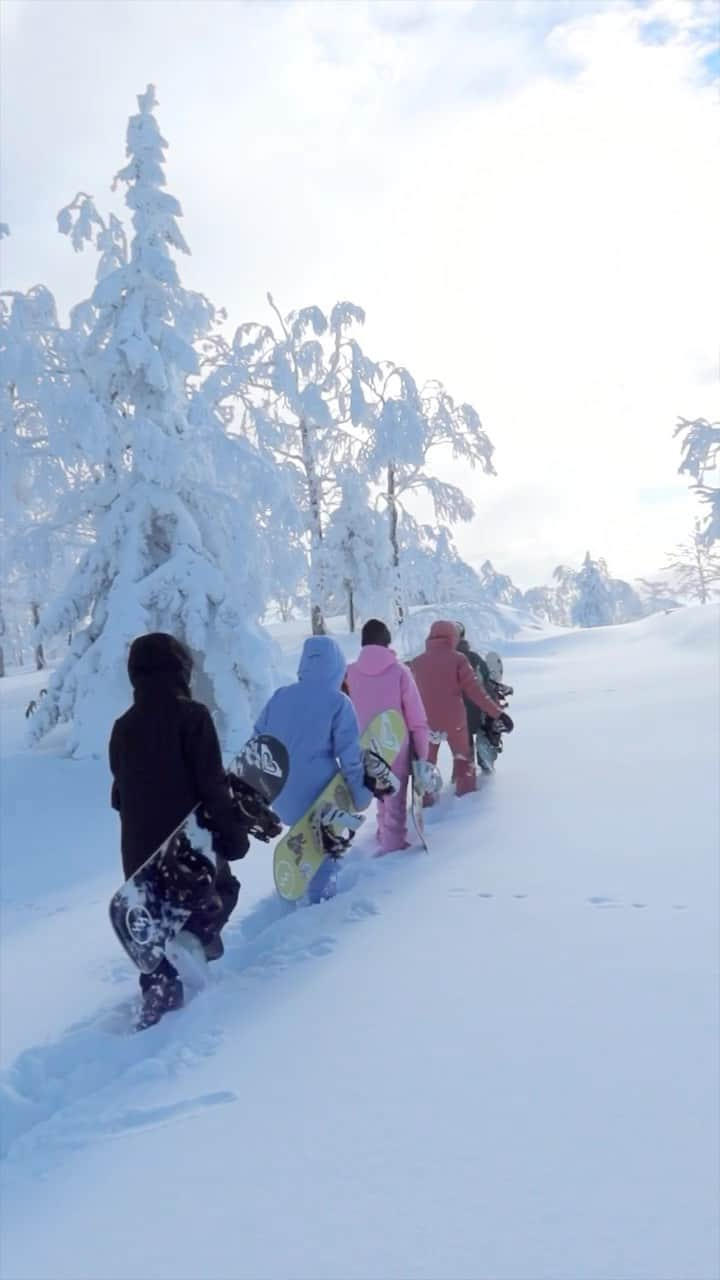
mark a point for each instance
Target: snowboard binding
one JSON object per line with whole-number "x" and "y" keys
{"x": 379, "y": 777}
{"x": 260, "y": 820}
{"x": 334, "y": 829}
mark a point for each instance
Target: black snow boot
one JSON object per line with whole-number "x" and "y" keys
{"x": 214, "y": 948}
{"x": 161, "y": 994}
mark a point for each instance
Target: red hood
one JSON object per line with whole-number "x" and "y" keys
{"x": 442, "y": 633}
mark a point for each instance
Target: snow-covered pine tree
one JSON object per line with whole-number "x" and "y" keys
{"x": 358, "y": 553}
{"x": 695, "y": 567}
{"x": 700, "y": 456}
{"x": 593, "y": 604}
{"x": 175, "y": 545}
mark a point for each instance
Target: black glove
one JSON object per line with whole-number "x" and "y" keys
{"x": 503, "y": 723}
{"x": 231, "y": 845}
{"x": 253, "y": 812}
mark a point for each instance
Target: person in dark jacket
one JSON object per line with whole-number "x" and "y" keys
{"x": 476, "y": 717}
{"x": 165, "y": 759}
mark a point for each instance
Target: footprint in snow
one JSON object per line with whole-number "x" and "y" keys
{"x": 322, "y": 947}
{"x": 361, "y": 909}
{"x": 599, "y": 901}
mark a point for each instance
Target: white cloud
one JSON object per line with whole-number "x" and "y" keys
{"x": 523, "y": 196}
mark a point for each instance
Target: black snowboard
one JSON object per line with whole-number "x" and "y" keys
{"x": 154, "y": 904}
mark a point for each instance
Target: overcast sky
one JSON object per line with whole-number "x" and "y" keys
{"x": 523, "y": 195}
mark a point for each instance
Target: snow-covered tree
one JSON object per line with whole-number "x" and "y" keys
{"x": 593, "y": 603}
{"x": 293, "y": 390}
{"x": 695, "y": 567}
{"x": 700, "y": 451}
{"x": 433, "y": 572}
{"x": 173, "y": 501}
{"x": 407, "y": 426}
{"x": 655, "y": 596}
{"x": 41, "y": 455}
{"x": 565, "y": 580}
{"x": 542, "y": 602}
{"x": 358, "y": 553}
{"x": 626, "y": 603}
{"x": 498, "y": 588}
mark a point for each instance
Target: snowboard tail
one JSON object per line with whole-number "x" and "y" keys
{"x": 153, "y": 906}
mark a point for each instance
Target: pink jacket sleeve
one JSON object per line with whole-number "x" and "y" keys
{"x": 474, "y": 691}
{"x": 414, "y": 714}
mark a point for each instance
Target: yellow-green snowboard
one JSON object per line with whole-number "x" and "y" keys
{"x": 298, "y": 856}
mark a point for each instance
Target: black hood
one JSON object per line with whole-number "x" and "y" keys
{"x": 159, "y": 656}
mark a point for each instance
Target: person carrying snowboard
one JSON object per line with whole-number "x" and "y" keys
{"x": 317, "y": 724}
{"x": 165, "y": 759}
{"x": 377, "y": 682}
{"x": 443, "y": 676}
{"x": 485, "y": 733}
{"x": 476, "y": 717}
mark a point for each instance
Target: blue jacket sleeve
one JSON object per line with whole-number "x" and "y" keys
{"x": 347, "y": 749}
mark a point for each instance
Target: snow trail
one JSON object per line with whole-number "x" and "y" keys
{"x": 497, "y": 1060}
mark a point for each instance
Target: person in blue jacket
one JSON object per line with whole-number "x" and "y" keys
{"x": 316, "y": 721}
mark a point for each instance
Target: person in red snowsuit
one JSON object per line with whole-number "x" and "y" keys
{"x": 443, "y": 676}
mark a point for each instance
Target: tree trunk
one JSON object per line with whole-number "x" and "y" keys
{"x": 317, "y": 568}
{"x": 2, "y": 662}
{"x": 702, "y": 584}
{"x": 351, "y": 608}
{"x": 395, "y": 544}
{"x": 40, "y": 663}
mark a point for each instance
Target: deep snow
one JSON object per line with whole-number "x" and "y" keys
{"x": 495, "y": 1062}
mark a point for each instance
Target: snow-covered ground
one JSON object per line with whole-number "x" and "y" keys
{"x": 496, "y": 1062}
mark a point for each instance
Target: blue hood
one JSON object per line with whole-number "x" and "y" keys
{"x": 322, "y": 662}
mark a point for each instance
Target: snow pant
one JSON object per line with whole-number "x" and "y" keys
{"x": 206, "y": 922}
{"x": 324, "y": 883}
{"x": 392, "y": 819}
{"x": 463, "y": 764}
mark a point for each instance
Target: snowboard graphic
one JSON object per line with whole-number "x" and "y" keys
{"x": 264, "y": 764}
{"x": 299, "y": 855}
{"x": 153, "y": 905}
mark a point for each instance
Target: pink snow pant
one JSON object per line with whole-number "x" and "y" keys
{"x": 392, "y": 819}
{"x": 463, "y": 765}
{"x": 392, "y": 813}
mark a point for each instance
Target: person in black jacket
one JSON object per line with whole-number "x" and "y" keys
{"x": 475, "y": 715}
{"x": 165, "y": 758}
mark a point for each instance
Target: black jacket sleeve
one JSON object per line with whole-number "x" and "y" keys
{"x": 112, "y": 752}
{"x": 202, "y": 753}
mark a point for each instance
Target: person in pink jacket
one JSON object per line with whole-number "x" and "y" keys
{"x": 379, "y": 682}
{"x": 443, "y": 675}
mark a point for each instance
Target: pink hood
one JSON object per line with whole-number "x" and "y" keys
{"x": 374, "y": 659}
